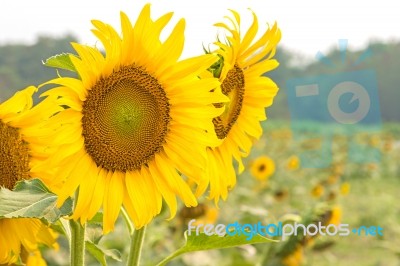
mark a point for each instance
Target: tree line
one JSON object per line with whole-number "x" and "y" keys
{"x": 21, "y": 65}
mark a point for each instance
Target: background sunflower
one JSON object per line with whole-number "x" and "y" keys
{"x": 19, "y": 150}
{"x": 243, "y": 61}
{"x": 262, "y": 168}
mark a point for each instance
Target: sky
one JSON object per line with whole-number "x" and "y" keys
{"x": 307, "y": 26}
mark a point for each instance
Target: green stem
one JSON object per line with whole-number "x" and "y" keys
{"x": 77, "y": 244}
{"x": 128, "y": 222}
{"x": 136, "y": 246}
{"x": 170, "y": 257}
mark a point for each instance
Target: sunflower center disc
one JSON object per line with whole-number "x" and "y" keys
{"x": 233, "y": 87}
{"x": 125, "y": 119}
{"x": 14, "y": 156}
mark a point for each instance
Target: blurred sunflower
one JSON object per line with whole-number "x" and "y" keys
{"x": 293, "y": 163}
{"x": 35, "y": 259}
{"x": 374, "y": 141}
{"x": 333, "y": 179}
{"x": 332, "y": 195}
{"x": 24, "y": 235}
{"x": 388, "y": 144}
{"x": 20, "y": 148}
{"x": 281, "y": 194}
{"x": 345, "y": 188}
{"x": 243, "y": 62}
{"x": 137, "y": 118}
{"x": 262, "y": 168}
{"x": 372, "y": 167}
{"x": 334, "y": 215}
{"x": 338, "y": 169}
{"x": 203, "y": 214}
{"x": 295, "y": 258}
{"x": 281, "y": 134}
{"x": 317, "y": 191}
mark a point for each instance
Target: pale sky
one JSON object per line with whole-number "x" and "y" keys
{"x": 307, "y": 26}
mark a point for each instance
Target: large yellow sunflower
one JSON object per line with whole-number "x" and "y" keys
{"x": 240, "y": 70}
{"x": 19, "y": 150}
{"x": 136, "y": 120}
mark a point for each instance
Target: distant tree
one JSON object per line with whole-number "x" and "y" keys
{"x": 386, "y": 62}
{"x": 384, "y": 59}
{"x": 21, "y": 65}
{"x": 288, "y": 68}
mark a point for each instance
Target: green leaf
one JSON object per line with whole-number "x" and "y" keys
{"x": 94, "y": 232}
{"x": 61, "y": 226}
{"x": 32, "y": 199}
{"x": 100, "y": 254}
{"x": 62, "y": 61}
{"x": 205, "y": 242}
{"x": 97, "y": 219}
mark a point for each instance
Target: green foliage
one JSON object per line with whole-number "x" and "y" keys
{"x": 21, "y": 64}
{"x": 31, "y": 199}
{"x": 100, "y": 254}
{"x": 206, "y": 242}
{"x": 62, "y": 61}
{"x": 384, "y": 60}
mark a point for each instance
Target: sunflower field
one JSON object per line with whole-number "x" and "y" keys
{"x": 275, "y": 187}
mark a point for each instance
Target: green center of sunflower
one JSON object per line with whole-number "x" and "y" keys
{"x": 233, "y": 87}
{"x": 125, "y": 119}
{"x": 14, "y": 156}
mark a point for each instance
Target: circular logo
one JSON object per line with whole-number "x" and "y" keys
{"x": 359, "y": 93}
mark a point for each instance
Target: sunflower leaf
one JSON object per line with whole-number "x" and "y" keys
{"x": 61, "y": 226}
{"x": 206, "y": 242}
{"x": 100, "y": 254}
{"x": 97, "y": 219}
{"x": 32, "y": 199}
{"x": 62, "y": 61}
{"x": 94, "y": 233}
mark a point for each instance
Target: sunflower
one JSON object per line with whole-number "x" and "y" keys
{"x": 293, "y": 163}
{"x": 317, "y": 191}
{"x": 295, "y": 258}
{"x": 333, "y": 179}
{"x": 243, "y": 61}
{"x": 19, "y": 150}
{"x": 334, "y": 215}
{"x": 35, "y": 259}
{"x": 262, "y": 168}
{"x": 24, "y": 235}
{"x": 203, "y": 213}
{"x": 281, "y": 194}
{"x": 136, "y": 119}
{"x": 345, "y": 188}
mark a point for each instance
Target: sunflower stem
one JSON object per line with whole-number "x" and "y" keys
{"x": 136, "y": 246}
{"x": 128, "y": 222}
{"x": 170, "y": 257}
{"x": 77, "y": 244}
